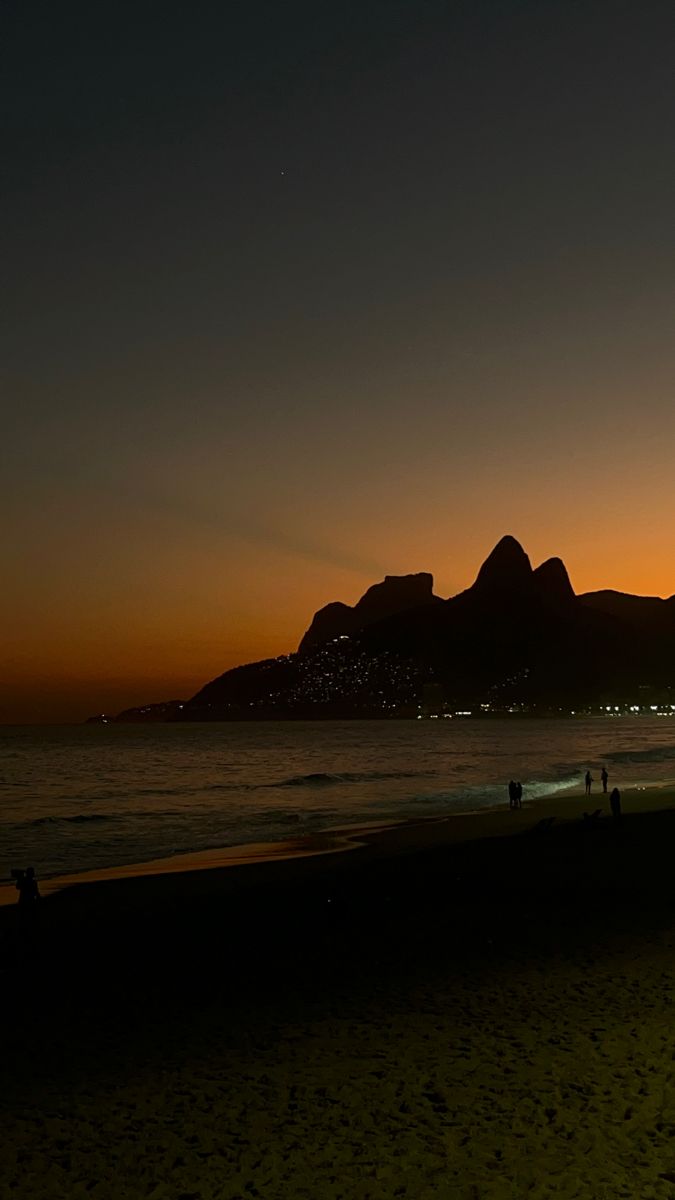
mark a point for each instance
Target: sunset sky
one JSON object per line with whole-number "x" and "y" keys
{"x": 297, "y": 295}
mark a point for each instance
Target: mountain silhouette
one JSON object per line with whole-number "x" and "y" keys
{"x": 553, "y": 582}
{"x": 643, "y": 612}
{"x": 506, "y": 570}
{"x": 517, "y": 636}
{"x": 397, "y": 593}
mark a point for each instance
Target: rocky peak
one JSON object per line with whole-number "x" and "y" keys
{"x": 553, "y": 582}
{"x": 395, "y": 594}
{"x": 506, "y": 569}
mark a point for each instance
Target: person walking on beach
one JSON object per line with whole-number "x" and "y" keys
{"x": 588, "y": 781}
{"x": 512, "y": 793}
{"x": 604, "y": 777}
{"x": 519, "y": 795}
{"x": 615, "y": 805}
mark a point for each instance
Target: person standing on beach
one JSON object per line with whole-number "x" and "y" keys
{"x": 615, "y": 805}
{"x": 588, "y": 781}
{"x": 29, "y": 893}
{"x": 512, "y": 793}
{"x": 604, "y": 777}
{"x": 519, "y": 795}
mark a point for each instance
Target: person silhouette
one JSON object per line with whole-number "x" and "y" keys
{"x": 588, "y": 779}
{"x": 512, "y": 794}
{"x": 615, "y": 805}
{"x": 519, "y": 795}
{"x": 29, "y": 893}
{"x": 604, "y": 777}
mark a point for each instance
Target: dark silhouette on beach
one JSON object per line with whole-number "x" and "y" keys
{"x": 604, "y": 777}
{"x": 29, "y": 893}
{"x": 588, "y": 781}
{"x": 543, "y": 826}
{"x": 515, "y": 794}
{"x": 615, "y": 805}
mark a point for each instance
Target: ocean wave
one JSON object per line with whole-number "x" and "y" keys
{"x": 280, "y": 817}
{"x": 77, "y": 819}
{"x": 197, "y": 789}
{"x": 662, "y": 753}
{"x": 322, "y": 778}
{"x": 655, "y": 754}
{"x": 484, "y": 795}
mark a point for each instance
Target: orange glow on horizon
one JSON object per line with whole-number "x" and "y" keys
{"x": 105, "y": 650}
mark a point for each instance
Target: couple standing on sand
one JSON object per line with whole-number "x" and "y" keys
{"x": 588, "y": 779}
{"x": 515, "y": 794}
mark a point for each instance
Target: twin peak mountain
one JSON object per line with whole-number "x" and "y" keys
{"x": 518, "y": 637}
{"x": 506, "y": 574}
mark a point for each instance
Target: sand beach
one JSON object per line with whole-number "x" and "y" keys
{"x": 478, "y": 1007}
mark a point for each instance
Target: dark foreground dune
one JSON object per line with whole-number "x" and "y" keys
{"x": 470, "y": 1020}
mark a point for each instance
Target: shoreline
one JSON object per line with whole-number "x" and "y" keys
{"x": 393, "y": 837}
{"x": 446, "y": 1010}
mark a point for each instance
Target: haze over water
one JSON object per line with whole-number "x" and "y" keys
{"x": 83, "y": 797}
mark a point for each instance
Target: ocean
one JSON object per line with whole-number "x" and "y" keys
{"x": 75, "y": 798}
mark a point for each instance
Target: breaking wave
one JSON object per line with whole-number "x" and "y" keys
{"x": 655, "y": 754}
{"x": 322, "y": 778}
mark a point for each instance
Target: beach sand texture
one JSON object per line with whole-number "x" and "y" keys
{"x": 492, "y": 1018}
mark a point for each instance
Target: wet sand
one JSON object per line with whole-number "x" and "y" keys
{"x": 441, "y": 1011}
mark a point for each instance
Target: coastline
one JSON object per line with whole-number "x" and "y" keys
{"x": 394, "y": 837}
{"x": 446, "y": 1011}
